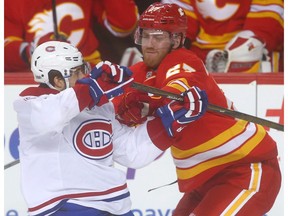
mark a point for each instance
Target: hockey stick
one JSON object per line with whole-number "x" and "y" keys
{"x": 6, "y": 166}
{"x": 163, "y": 186}
{"x": 211, "y": 107}
{"x": 56, "y": 33}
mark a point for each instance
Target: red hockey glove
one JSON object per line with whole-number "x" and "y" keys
{"x": 176, "y": 115}
{"x": 106, "y": 81}
{"x": 135, "y": 106}
{"x": 27, "y": 49}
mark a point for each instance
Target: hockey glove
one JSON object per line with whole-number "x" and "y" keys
{"x": 245, "y": 52}
{"x": 176, "y": 115}
{"x": 27, "y": 49}
{"x": 216, "y": 61}
{"x": 135, "y": 106}
{"x": 106, "y": 81}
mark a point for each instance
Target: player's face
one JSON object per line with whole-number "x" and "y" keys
{"x": 75, "y": 74}
{"x": 155, "y": 46}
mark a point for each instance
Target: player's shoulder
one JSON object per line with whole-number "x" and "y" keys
{"x": 138, "y": 66}
{"x": 37, "y": 91}
{"x": 183, "y": 59}
{"x": 180, "y": 55}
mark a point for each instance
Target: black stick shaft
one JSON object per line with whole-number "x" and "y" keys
{"x": 211, "y": 107}
{"x": 6, "y": 166}
{"x": 55, "y": 25}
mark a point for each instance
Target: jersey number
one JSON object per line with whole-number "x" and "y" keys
{"x": 179, "y": 68}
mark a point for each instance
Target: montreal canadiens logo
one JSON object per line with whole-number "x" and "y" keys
{"x": 93, "y": 139}
{"x": 50, "y": 49}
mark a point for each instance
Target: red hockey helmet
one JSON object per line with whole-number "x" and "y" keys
{"x": 166, "y": 17}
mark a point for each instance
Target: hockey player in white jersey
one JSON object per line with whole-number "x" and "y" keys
{"x": 69, "y": 137}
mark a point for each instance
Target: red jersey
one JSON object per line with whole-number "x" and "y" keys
{"x": 26, "y": 20}
{"x": 215, "y": 141}
{"x": 212, "y": 24}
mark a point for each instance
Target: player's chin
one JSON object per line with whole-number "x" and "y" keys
{"x": 151, "y": 63}
{"x": 151, "y": 60}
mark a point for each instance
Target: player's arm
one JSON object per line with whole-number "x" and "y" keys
{"x": 104, "y": 82}
{"x": 142, "y": 144}
{"x": 135, "y": 106}
{"x": 48, "y": 112}
{"x": 13, "y": 38}
{"x": 136, "y": 147}
{"x": 250, "y": 50}
{"x": 119, "y": 17}
{"x": 265, "y": 19}
{"x": 52, "y": 110}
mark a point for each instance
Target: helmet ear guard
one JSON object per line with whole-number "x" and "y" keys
{"x": 54, "y": 55}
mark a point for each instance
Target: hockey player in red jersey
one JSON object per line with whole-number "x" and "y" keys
{"x": 30, "y": 23}
{"x": 236, "y": 36}
{"x": 224, "y": 166}
{"x": 70, "y": 139}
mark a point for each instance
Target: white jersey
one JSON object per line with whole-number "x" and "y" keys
{"x": 67, "y": 155}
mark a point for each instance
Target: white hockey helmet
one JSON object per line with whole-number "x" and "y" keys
{"x": 54, "y": 55}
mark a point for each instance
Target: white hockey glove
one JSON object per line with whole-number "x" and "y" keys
{"x": 244, "y": 53}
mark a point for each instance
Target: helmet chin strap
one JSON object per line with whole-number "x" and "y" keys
{"x": 67, "y": 82}
{"x": 50, "y": 85}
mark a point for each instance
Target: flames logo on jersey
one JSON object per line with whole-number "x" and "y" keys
{"x": 217, "y": 10}
{"x": 42, "y": 22}
{"x": 93, "y": 139}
